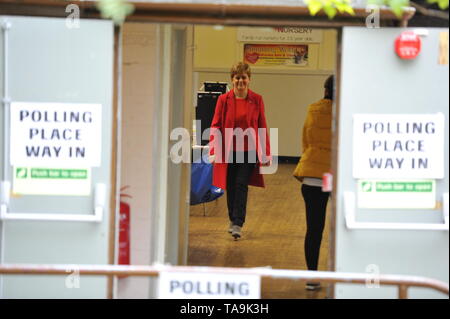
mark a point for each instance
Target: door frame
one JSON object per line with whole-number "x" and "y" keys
{"x": 190, "y": 13}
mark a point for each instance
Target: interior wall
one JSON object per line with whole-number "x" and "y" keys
{"x": 184, "y": 209}
{"x": 138, "y": 91}
{"x": 287, "y": 91}
{"x": 177, "y": 211}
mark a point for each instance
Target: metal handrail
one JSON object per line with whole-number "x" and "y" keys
{"x": 402, "y": 281}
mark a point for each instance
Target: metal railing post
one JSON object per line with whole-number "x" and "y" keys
{"x": 402, "y": 292}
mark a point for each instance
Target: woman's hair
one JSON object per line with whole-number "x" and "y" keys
{"x": 240, "y": 68}
{"x": 329, "y": 85}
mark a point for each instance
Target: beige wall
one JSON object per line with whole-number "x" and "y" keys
{"x": 218, "y": 48}
{"x": 287, "y": 91}
{"x": 138, "y": 78}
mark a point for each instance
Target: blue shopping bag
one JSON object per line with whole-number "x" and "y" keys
{"x": 202, "y": 190}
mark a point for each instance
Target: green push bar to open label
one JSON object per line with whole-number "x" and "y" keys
{"x": 396, "y": 194}
{"x": 52, "y": 181}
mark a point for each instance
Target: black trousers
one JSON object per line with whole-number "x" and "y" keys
{"x": 240, "y": 168}
{"x": 316, "y": 207}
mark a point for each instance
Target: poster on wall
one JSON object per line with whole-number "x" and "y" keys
{"x": 276, "y": 54}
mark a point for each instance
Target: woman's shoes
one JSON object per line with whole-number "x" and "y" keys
{"x": 313, "y": 286}
{"x": 236, "y": 231}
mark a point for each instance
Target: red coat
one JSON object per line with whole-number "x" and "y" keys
{"x": 224, "y": 117}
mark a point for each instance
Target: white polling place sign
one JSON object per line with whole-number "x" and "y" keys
{"x": 53, "y": 147}
{"x": 55, "y": 134}
{"x": 398, "y": 145}
{"x": 184, "y": 285}
{"x": 396, "y": 158}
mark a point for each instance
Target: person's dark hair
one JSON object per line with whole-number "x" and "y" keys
{"x": 329, "y": 85}
{"x": 240, "y": 68}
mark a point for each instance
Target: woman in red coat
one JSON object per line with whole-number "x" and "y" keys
{"x": 239, "y": 144}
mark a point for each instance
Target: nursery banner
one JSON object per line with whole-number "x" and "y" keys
{"x": 276, "y": 54}
{"x": 279, "y": 35}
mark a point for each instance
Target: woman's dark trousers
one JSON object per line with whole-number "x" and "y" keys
{"x": 238, "y": 175}
{"x": 316, "y": 207}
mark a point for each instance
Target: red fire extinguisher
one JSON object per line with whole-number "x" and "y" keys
{"x": 124, "y": 229}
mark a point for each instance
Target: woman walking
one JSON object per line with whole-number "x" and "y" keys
{"x": 239, "y": 144}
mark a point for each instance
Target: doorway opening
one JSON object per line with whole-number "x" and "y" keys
{"x": 174, "y": 61}
{"x": 275, "y": 227}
